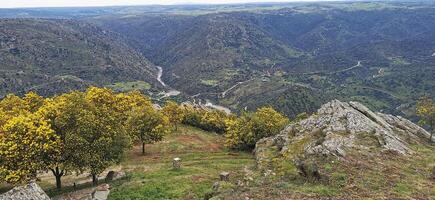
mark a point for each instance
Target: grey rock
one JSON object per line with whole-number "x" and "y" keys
{"x": 26, "y": 192}
{"x": 115, "y": 175}
{"x": 216, "y": 186}
{"x": 338, "y": 127}
{"x": 176, "y": 163}
{"x": 224, "y": 176}
{"x": 101, "y": 192}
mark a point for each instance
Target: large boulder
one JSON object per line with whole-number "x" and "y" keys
{"x": 26, "y": 192}
{"x": 338, "y": 128}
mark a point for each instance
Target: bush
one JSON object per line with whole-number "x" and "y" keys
{"x": 209, "y": 120}
{"x": 245, "y": 131}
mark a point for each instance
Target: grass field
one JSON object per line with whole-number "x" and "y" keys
{"x": 151, "y": 176}
{"x": 203, "y": 158}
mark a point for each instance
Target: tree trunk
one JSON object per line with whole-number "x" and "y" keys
{"x": 94, "y": 179}
{"x": 58, "y": 182}
{"x": 143, "y": 148}
{"x": 58, "y": 174}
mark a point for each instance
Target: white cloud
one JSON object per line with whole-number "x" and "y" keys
{"x": 79, "y": 3}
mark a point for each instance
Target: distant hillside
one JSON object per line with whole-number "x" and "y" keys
{"x": 294, "y": 56}
{"x": 52, "y": 56}
{"x": 363, "y": 52}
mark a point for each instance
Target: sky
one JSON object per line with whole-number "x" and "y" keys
{"x": 80, "y": 3}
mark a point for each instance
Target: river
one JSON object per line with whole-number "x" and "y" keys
{"x": 173, "y": 92}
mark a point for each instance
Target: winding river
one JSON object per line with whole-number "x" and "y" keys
{"x": 173, "y": 92}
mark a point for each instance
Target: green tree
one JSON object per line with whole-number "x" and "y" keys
{"x": 147, "y": 125}
{"x": 426, "y": 112}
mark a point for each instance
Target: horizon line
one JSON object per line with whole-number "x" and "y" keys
{"x": 182, "y": 3}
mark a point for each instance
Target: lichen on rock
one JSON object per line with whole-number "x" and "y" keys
{"x": 337, "y": 128}
{"x": 26, "y": 192}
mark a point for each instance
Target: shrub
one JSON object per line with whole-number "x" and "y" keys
{"x": 245, "y": 131}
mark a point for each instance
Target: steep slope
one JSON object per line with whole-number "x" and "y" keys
{"x": 52, "y": 56}
{"x": 205, "y": 53}
{"x": 345, "y": 51}
{"x": 343, "y": 151}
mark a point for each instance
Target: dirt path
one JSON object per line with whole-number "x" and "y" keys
{"x": 224, "y": 93}
{"x": 330, "y": 73}
{"x": 347, "y": 69}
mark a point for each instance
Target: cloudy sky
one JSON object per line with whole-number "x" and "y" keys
{"x": 63, "y": 3}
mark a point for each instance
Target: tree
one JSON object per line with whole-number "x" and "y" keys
{"x": 214, "y": 120}
{"x": 174, "y": 112}
{"x": 12, "y": 106}
{"x": 147, "y": 125}
{"x": 267, "y": 122}
{"x": 426, "y": 111}
{"x": 100, "y": 135}
{"x": 33, "y": 101}
{"x": 62, "y": 113}
{"x": 26, "y": 143}
{"x": 239, "y": 132}
{"x": 91, "y": 131}
{"x": 245, "y": 131}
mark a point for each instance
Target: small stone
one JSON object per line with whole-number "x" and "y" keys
{"x": 103, "y": 187}
{"x": 224, "y": 176}
{"x": 216, "y": 186}
{"x": 110, "y": 175}
{"x": 119, "y": 175}
{"x": 176, "y": 163}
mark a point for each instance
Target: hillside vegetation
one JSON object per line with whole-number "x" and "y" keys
{"x": 382, "y": 57}
{"x": 54, "y": 56}
{"x": 344, "y": 151}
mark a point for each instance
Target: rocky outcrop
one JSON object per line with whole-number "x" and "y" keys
{"x": 340, "y": 127}
{"x": 30, "y": 191}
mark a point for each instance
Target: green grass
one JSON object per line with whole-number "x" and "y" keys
{"x": 203, "y": 158}
{"x": 209, "y": 82}
{"x": 129, "y": 86}
{"x": 151, "y": 176}
{"x": 403, "y": 189}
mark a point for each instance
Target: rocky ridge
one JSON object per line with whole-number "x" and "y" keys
{"x": 26, "y": 192}
{"x": 339, "y": 127}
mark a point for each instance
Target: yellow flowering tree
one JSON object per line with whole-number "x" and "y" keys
{"x": 426, "y": 112}
{"x": 27, "y": 143}
{"x": 61, "y": 112}
{"x": 174, "y": 112}
{"x": 33, "y": 101}
{"x": 147, "y": 125}
{"x": 12, "y": 106}
{"x": 100, "y": 134}
{"x": 245, "y": 131}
